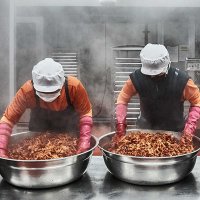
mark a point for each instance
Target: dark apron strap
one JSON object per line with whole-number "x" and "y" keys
{"x": 67, "y": 92}
{"x": 36, "y": 96}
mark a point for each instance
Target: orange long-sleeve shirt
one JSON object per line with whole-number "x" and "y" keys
{"x": 25, "y": 98}
{"x": 191, "y": 93}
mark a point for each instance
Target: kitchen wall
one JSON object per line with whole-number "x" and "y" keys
{"x": 4, "y": 54}
{"x": 92, "y": 32}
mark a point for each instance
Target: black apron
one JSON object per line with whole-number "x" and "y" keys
{"x": 160, "y": 100}
{"x": 42, "y": 119}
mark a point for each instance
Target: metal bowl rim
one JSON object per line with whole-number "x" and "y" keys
{"x": 147, "y": 158}
{"x": 54, "y": 159}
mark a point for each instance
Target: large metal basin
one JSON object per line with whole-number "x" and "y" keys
{"x": 148, "y": 170}
{"x": 44, "y": 173}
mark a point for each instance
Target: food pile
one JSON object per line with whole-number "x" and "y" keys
{"x": 44, "y": 146}
{"x": 151, "y": 145}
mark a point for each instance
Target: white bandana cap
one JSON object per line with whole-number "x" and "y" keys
{"x": 48, "y": 76}
{"x": 155, "y": 59}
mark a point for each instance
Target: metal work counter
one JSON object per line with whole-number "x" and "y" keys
{"x": 97, "y": 183}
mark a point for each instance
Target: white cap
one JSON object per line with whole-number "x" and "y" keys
{"x": 48, "y": 76}
{"x": 155, "y": 59}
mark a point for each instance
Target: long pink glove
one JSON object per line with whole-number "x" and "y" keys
{"x": 5, "y": 132}
{"x": 121, "y": 112}
{"x": 191, "y": 123}
{"x": 85, "y": 125}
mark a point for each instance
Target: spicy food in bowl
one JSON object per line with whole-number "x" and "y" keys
{"x": 44, "y": 146}
{"x": 44, "y": 170}
{"x": 149, "y": 158}
{"x": 151, "y": 145}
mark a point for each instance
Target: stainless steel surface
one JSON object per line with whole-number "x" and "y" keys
{"x": 98, "y": 184}
{"x": 44, "y": 173}
{"x": 148, "y": 170}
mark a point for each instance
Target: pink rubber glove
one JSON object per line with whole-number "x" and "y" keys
{"x": 85, "y": 125}
{"x": 121, "y": 111}
{"x": 5, "y": 132}
{"x": 191, "y": 123}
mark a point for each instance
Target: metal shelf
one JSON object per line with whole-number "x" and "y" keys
{"x": 126, "y": 60}
{"x": 68, "y": 60}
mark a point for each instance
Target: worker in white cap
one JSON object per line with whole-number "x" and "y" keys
{"x": 162, "y": 91}
{"x": 57, "y": 103}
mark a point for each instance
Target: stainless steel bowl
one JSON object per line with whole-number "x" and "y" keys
{"x": 44, "y": 173}
{"x": 148, "y": 170}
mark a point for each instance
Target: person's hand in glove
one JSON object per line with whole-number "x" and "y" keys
{"x": 191, "y": 122}
{"x": 85, "y": 125}
{"x": 5, "y": 132}
{"x": 121, "y": 112}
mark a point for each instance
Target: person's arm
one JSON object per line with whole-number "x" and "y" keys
{"x": 83, "y": 107}
{"x": 191, "y": 93}
{"x": 5, "y": 132}
{"x": 124, "y": 97}
{"x": 85, "y": 126}
{"x": 10, "y": 117}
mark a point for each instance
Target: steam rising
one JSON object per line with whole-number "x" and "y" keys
{"x": 91, "y": 32}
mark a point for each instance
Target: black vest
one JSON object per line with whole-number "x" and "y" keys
{"x": 57, "y": 121}
{"x": 160, "y": 99}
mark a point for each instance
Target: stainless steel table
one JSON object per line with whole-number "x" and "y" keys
{"x": 97, "y": 183}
